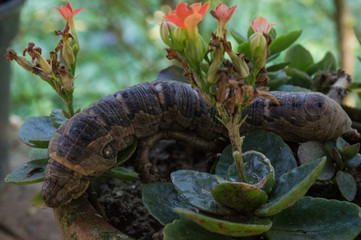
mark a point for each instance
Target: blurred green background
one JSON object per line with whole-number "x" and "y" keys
{"x": 120, "y": 44}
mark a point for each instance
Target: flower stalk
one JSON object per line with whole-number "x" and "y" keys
{"x": 227, "y": 84}
{"x": 58, "y": 73}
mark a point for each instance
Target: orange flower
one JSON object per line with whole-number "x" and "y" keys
{"x": 260, "y": 24}
{"x": 187, "y": 18}
{"x": 67, "y": 12}
{"x": 222, "y": 13}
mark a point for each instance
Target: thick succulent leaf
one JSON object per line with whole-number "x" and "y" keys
{"x": 309, "y": 151}
{"x": 347, "y": 185}
{"x": 299, "y": 57}
{"x": 277, "y": 67}
{"x": 39, "y": 154}
{"x": 244, "y": 48}
{"x": 186, "y": 230}
{"x": 161, "y": 199}
{"x": 125, "y": 154}
{"x": 238, "y": 37}
{"x": 349, "y": 151}
{"x": 37, "y": 131}
{"x": 298, "y": 77}
{"x": 291, "y": 186}
{"x": 317, "y": 219}
{"x": 283, "y": 42}
{"x": 228, "y": 228}
{"x": 240, "y": 196}
{"x": 37, "y": 201}
{"x": 258, "y": 168}
{"x": 340, "y": 144}
{"x": 122, "y": 173}
{"x": 273, "y": 147}
{"x": 173, "y": 72}
{"x": 57, "y": 117}
{"x": 292, "y": 88}
{"x": 196, "y": 188}
{"x": 30, "y": 172}
{"x": 274, "y": 84}
{"x": 224, "y": 162}
{"x": 353, "y": 162}
{"x": 328, "y": 62}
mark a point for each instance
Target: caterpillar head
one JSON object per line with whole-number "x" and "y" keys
{"x": 80, "y": 149}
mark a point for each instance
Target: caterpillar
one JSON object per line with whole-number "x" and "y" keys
{"x": 86, "y": 145}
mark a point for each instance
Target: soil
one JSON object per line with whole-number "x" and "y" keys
{"x": 120, "y": 201}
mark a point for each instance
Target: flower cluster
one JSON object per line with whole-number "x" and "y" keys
{"x": 225, "y": 83}
{"x": 59, "y": 70}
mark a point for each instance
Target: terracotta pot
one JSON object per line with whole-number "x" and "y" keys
{"x": 9, "y": 26}
{"x": 79, "y": 220}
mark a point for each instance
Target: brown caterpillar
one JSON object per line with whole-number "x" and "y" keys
{"x": 86, "y": 145}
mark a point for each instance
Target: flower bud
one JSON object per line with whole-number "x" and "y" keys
{"x": 239, "y": 64}
{"x": 45, "y": 66}
{"x": 68, "y": 52}
{"x": 214, "y": 67}
{"x": 195, "y": 51}
{"x": 173, "y": 36}
{"x": 258, "y": 46}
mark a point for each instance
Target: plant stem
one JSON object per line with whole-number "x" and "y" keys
{"x": 237, "y": 141}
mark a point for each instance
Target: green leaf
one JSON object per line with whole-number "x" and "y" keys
{"x": 338, "y": 158}
{"x": 273, "y": 34}
{"x": 317, "y": 219}
{"x": 228, "y": 228}
{"x": 299, "y": 57}
{"x": 292, "y": 88}
{"x": 122, "y": 173}
{"x": 39, "y": 154}
{"x": 357, "y": 34}
{"x": 298, "y": 78}
{"x": 244, "y": 48}
{"x": 258, "y": 168}
{"x": 283, "y": 42}
{"x": 173, "y": 72}
{"x": 240, "y": 196}
{"x": 37, "y": 131}
{"x": 353, "y": 162}
{"x": 327, "y": 63}
{"x": 30, "y": 172}
{"x": 249, "y": 32}
{"x": 291, "y": 186}
{"x": 224, "y": 162}
{"x": 189, "y": 230}
{"x": 277, "y": 67}
{"x": 349, "y": 151}
{"x": 57, "y": 117}
{"x": 309, "y": 151}
{"x": 161, "y": 199}
{"x": 274, "y": 84}
{"x": 196, "y": 188}
{"x": 340, "y": 144}
{"x": 238, "y": 37}
{"x": 37, "y": 201}
{"x": 273, "y": 147}
{"x": 126, "y": 154}
{"x": 347, "y": 185}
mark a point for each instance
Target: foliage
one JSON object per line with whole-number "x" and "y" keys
{"x": 223, "y": 205}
